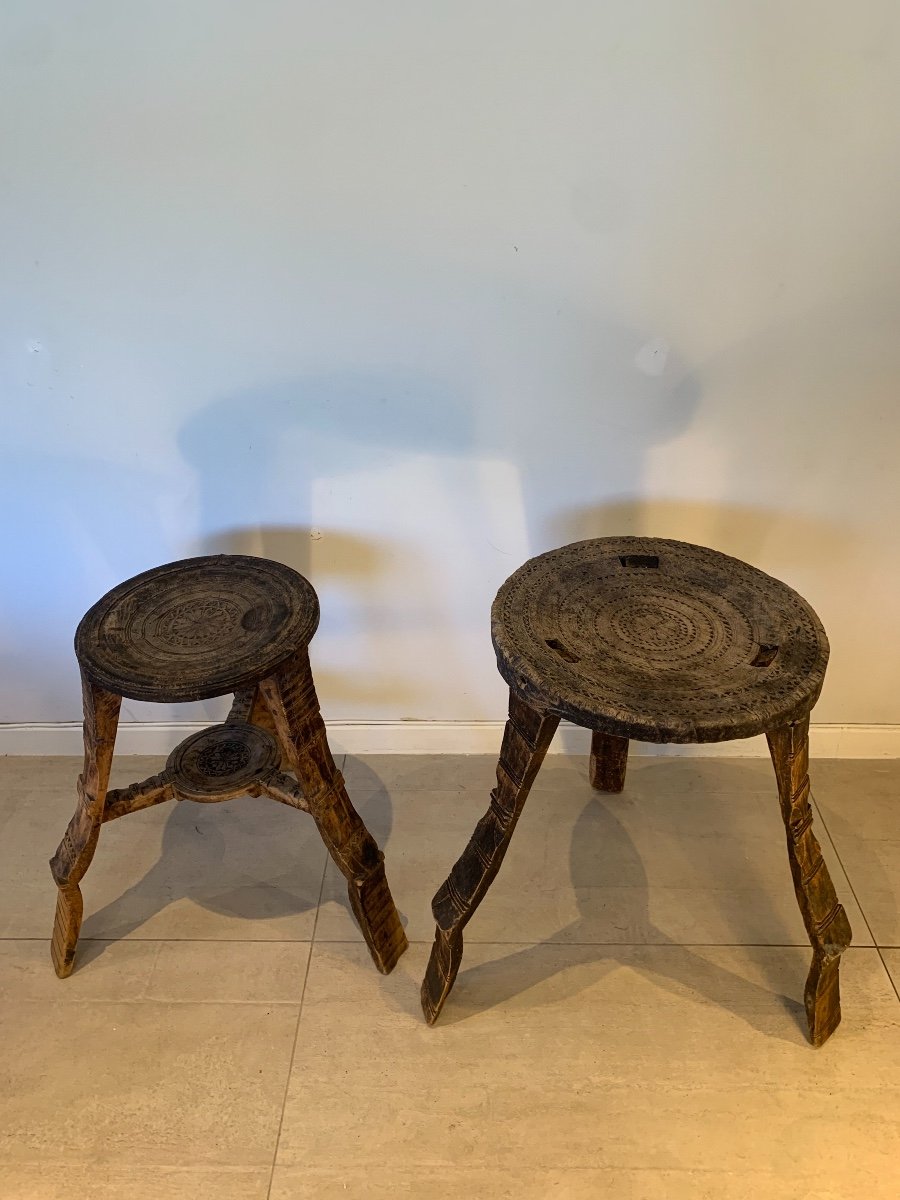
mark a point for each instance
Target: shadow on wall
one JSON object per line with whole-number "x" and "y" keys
{"x": 771, "y": 412}
{"x": 809, "y": 404}
{"x": 571, "y": 401}
{"x": 457, "y": 481}
{"x": 263, "y": 456}
{"x": 526, "y": 405}
{"x": 748, "y": 533}
{"x": 74, "y": 528}
{"x": 347, "y": 563}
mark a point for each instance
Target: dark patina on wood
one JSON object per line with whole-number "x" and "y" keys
{"x": 526, "y": 738}
{"x": 206, "y": 627}
{"x": 609, "y": 758}
{"x": 665, "y": 642}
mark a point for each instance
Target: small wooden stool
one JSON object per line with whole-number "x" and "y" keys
{"x": 192, "y": 630}
{"x": 665, "y": 642}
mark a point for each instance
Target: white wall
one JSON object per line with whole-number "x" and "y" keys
{"x": 403, "y": 293}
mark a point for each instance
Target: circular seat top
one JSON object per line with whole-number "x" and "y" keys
{"x": 658, "y": 640}
{"x": 196, "y": 628}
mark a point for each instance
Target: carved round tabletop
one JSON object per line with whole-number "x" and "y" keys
{"x": 658, "y": 640}
{"x": 196, "y": 628}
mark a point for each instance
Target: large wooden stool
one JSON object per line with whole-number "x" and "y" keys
{"x": 665, "y": 642}
{"x": 208, "y": 627}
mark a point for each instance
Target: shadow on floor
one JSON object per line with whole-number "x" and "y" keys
{"x": 599, "y": 834}
{"x": 247, "y": 858}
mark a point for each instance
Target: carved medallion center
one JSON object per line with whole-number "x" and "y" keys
{"x": 223, "y": 758}
{"x": 198, "y": 623}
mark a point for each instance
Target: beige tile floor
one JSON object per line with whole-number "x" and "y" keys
{"x": 628, "y": 1021}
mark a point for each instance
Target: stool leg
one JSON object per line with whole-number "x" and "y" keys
{"x": 72, "y": 859}
{"x": 526, "y": 738}
{"x": 249, "y": 708}
{"x": 241, "y": 706}
{"x": 609, "y": 758}
{"x": 826, "y": 922}
{"x": 294, "y": 707}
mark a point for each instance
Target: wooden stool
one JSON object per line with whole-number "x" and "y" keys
{"x": 665, "y": 642}
{"x": 191, "y": 630}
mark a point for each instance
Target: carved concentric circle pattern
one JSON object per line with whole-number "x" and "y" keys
{"x": 197, "y": 628}
{"x": 195, "y": 624}
{"x": 223, "y": 758}
{"x": 222, "y": 761}
{"x": 658, "y": 640}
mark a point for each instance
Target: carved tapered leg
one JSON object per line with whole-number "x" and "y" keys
{"x": 826, "y": 922}
{"x": 526, "y": 738}
{"x": 609, "y": 758}
{"x": 241, "y": 704}
{"x": 250, "y": 707}
{"x": 72, "y": 859}
{"x": 291, "y": 699}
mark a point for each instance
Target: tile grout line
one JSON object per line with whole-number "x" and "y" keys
{"x": 837, "y": 854}
{"x": 148, "y": 982}
{"x": 348, "y": 941}
{"x": 148, "y": 941}
{"x": 336, "y": 941}
{"x": 821, "y": 816}
{"x": 895, "y": 984}
{"x": 290, "y": 1070}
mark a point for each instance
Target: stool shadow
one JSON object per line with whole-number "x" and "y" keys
{"x": 679, "y": 968}
{"x": 339, "y": 556}
{"x": 748, "y": 532}
{"x": 372, "y": 800}
{"x": 248, "y": 858}
{"x": 838, "y": 815}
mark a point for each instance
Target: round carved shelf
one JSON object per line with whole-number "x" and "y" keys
{"x": 222, "y": 761}
{"x": 196, "y": 628}
{"x": 658, "y": 640}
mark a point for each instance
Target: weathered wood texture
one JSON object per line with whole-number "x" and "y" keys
{"x": 609, "y": 758}
{"x": 665, "y": 642}
{"x": 659, "y": 641}
{"x": 527, "y": 736}
{"x": 826, "y": 922}
{"x": 290, "y": 695}
{"x": 144, "y": 794}
{"x": 72, "y": 859}
{"x": 196, "y": 628}
{"x": 200, "y": 628}
{"x": 222, "y": 762}
{"x": 249, "y": 706}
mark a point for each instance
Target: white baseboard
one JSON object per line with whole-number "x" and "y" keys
{"x": 444, "y": 737}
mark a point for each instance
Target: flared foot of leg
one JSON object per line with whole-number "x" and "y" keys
{"x": 66, "y": 927}
{"x": 441, "y": 972}
{"x": 823, "y": 998}
{"x": 377, "y": 916}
